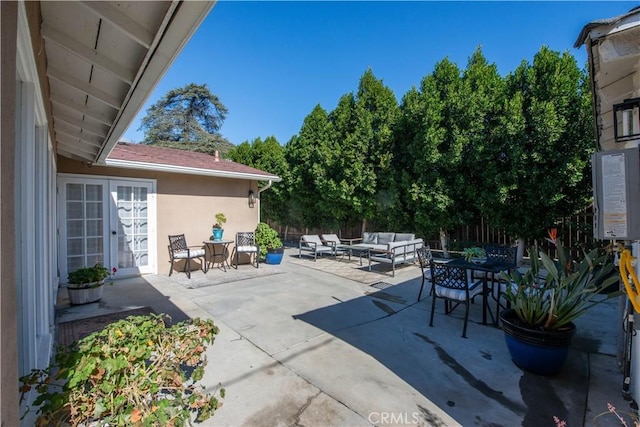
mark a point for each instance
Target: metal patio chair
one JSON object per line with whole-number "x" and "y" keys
{"x": 246, "y": 244}
{"x": 179, "y": 250}
{"x": 455, "y": 286}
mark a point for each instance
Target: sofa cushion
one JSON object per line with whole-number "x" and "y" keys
{"x": 403, "y": 237}
{"x": 375, "y": 247}
{"x": 384, "y": 238}
{"x": 369, "y": 238}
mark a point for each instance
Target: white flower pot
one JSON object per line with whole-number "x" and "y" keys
{"x": 85, "y": 295}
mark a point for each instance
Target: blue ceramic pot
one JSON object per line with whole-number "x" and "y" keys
{"x": 217, "y": 233}
{"x": 274, "y": 256}
{"x": 535, "y": 350}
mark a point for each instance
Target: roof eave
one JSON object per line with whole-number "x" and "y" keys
{"x": 156, "y": 167}
{"x": 603, "y": 27}
{"x": 178, "y": 31}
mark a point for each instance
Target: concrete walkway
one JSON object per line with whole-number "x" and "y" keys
{"x": 302, "y": 346}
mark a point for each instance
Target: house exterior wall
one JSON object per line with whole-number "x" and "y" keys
{"x": 28, "y": 280}
{"x": 9, "y": 399}
{"x": 186, "y": 204}
{"x": 614, "y": 65}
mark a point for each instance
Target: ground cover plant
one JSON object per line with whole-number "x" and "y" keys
{"x": 136, "y": 371}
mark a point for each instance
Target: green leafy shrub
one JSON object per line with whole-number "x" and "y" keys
{"x": 474, "y": 252}
{"x": 267, "y": 238}
{"x": 86, "y": 275}
{"x": 136, "y": 371}
{"x": 552, "y": 301}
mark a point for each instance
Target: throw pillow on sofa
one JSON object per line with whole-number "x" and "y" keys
{"x": 369, "y": 238}
{"x": 384, "y": 238}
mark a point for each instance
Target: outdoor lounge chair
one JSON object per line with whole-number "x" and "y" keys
{"x": 179, "y": 250}
{"x": 312, "y": 243}
{"x": 334, "y": 241}
{"x": 452, "y": 284}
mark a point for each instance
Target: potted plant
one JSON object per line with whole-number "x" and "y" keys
{"x": 271, "y": 248}
{"x": 475, "y": 254}
{"x": 85, "y": 285}
{"x": 217, "y": 227}
{"x": 539, "y": 325}
{"x": 137, "y": 372}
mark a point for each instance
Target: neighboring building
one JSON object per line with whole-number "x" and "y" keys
{"x": 73, "y": 76}
{"x": 613, "y": 49}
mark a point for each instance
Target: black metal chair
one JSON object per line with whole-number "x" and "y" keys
{"x": 424, "y": 258}
{"x": 246, "y": 244}
{"x": 507, "y": 255}
{"x": 452, "y": 285}
{"x": 179, "y": 250}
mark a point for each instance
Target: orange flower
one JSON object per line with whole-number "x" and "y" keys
{"x": 553, "y": 235}
{"x": 136, "y": 415}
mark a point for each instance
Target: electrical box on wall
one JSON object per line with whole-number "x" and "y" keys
{"x": 616, "y": 194}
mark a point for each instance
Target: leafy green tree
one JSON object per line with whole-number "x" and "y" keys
{"x": 433, "y": 125}
{"x": 305, "y": 155}
{"x": 547, "y": 140}
{"x": 481, "y": 124}
{"x": 189, "y": 117}
{"x": 269, "y": 156}
{"x": 361, "y": 154}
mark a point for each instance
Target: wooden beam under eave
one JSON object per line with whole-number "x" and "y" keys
{"x": 96, "y": 129}
{"x": 90, "y": 55}
{"x": 131, "y": 28}
{"x": 87, "y": 138}
{"x": 83, "y": 109}
{"x": 85, "y": 87}
{"x": 77, "y": 146}
{"x": 64, "y": 152}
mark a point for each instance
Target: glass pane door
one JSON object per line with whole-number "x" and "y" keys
{"x": 130, "y": 227}
{"x": 83, "y": 240}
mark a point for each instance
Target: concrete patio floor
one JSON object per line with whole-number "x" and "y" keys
{"x": 303, "y": 346}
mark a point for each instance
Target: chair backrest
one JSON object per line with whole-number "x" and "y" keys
{"x": 245, "y": 238}
{"x": 448, "y": 276}
{"x": 331, "y": 238}
{"x": 501, "y": 253}
{"x": 177, "y": 243}
{"x": 311, "y": 238}
{"x": 424, "y": 256}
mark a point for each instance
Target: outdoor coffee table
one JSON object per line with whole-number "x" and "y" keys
{"x": 359, "y": 250}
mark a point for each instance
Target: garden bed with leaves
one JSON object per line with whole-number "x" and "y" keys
{"x": 136, "y": 371}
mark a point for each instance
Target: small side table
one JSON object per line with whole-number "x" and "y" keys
{"x": 219, "y": 256}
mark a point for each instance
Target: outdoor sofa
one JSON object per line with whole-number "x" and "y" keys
{"x": 391, "y": 248}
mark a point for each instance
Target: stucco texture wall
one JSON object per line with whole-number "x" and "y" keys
{"x": 186, "y": 204}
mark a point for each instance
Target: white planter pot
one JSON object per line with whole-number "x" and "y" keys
{"x": 85, "y": 295}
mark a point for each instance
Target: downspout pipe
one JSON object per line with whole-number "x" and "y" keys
{"x": 260, "y": 190}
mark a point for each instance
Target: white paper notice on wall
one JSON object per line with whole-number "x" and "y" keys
{"x": 614, "y": 195}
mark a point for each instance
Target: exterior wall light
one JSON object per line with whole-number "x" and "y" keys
{"x": 252, "y": 199}
{"x": 626, "y": 120}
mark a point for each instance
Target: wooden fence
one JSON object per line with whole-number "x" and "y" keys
{"x": 575, "y": 232}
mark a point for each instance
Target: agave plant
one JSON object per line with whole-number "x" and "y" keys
{"x": 553, "y": 301}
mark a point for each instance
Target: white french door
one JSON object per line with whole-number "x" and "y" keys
{"x": 106, "y": 221}
{"x": 130, "y": 220}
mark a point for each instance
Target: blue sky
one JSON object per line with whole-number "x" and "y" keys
{"x": 271, "y": 63}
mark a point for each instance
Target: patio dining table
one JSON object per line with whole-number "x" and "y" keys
{"x": 221, "y": 256}
{"x": 490, "y": 266}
